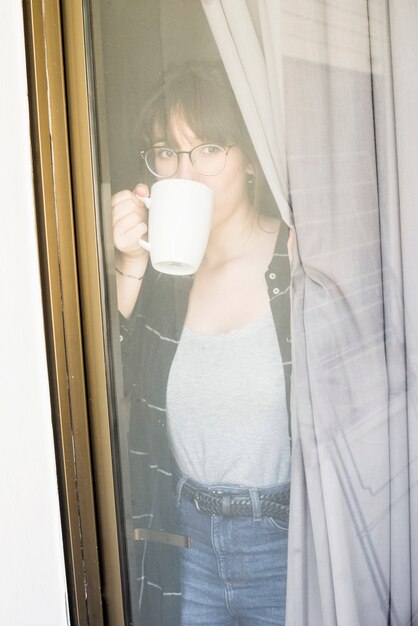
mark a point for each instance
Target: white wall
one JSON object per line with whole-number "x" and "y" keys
{"x": 32, "y": 576}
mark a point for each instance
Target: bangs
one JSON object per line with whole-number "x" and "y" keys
{"x": 203, "y": 102}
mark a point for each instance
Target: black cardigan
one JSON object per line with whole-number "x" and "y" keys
{"x": 149, "y": 341}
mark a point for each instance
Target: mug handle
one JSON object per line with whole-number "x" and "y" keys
{"x": 141, "y": 242}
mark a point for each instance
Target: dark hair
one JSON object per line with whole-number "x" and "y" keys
{"x": 200, "y": 93}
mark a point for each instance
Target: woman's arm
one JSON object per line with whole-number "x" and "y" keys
{"x": 130, "y": 219}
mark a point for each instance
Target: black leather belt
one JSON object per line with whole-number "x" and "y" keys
{"x": 214, "y": 502}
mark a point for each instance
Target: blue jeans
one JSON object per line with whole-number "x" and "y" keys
{"x": 234, "y": 574}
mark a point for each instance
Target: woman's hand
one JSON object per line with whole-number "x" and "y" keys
{"x": 130, "y": 221}
{"x": 130, "y": 224}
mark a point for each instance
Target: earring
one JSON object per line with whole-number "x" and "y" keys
{"x": 250, "y": 178}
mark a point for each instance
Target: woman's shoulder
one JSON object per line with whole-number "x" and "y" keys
{"x": 269, "y": 222}
{"x": 272, "y": 243}
{"x": 270, "y": 228}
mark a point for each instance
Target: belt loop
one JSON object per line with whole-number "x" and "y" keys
{"x": 256, "y": 502}
{"x": 179, "y": 487}
{"x": 226, "y": 506}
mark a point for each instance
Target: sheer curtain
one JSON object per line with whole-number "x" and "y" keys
{"x": 256, "y": 77}
{"x": 329, "y": 90}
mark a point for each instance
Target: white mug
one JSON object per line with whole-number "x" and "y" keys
{"x": 180, "y": 216}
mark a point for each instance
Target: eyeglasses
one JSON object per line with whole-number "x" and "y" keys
{"x": 208, "y": 159}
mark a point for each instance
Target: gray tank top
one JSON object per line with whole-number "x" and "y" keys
{"x": 226, "y": 407}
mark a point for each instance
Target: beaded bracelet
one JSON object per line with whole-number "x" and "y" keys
{"x": 129, "y": 275}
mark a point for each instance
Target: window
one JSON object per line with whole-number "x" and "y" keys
{"x": 326, "y": 92}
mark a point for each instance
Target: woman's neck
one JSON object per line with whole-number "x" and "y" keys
{"x": 233, "y": 238}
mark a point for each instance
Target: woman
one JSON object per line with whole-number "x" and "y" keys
{"x": 207, "y": 366}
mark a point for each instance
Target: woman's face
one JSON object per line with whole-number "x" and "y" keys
{"x": 229, "y": 186}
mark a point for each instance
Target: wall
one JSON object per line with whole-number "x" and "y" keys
{"x": 32, "y": 575}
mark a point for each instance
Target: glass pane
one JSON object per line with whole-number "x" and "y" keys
{"x": 194, "y": 141}
{"x": 297, "y": 120}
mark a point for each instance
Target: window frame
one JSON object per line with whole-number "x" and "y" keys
{"x": 59, "y": 72}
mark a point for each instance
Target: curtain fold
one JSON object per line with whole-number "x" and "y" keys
{"x": 399, "y": 245}
{"x": 329, "y": 91}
